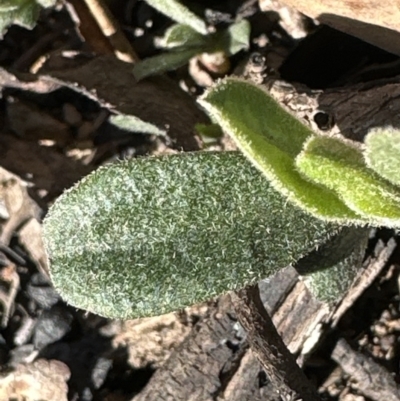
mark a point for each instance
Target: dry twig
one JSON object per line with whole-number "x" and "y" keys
{"x": 112, "y": 31}
{"x": 368, "y": 377}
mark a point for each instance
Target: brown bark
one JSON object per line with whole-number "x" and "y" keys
{"x": 368, "y": 377}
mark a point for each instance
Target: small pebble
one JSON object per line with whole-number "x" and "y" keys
{"x": 52, "y": 325}
{"x": 42, "y": 292}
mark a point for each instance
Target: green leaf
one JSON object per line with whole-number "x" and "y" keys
{"x": 237, "y": 37}
{"x": 135, "y": 124}
{"x": 183, "y": 35}
{"x": 272, "y": 138}
{"x": 152, "y": 235}
{"x": 163, "y": 62}
{"x": 20, "y": 12}
{"x": 331, "y": 268}
{"x": 209, "y": 133}
{"x": 382, "y": 153}
{"x": 179, "y": 13}
{"x": 330, "y": 285}
{"x": 341, "y": 168}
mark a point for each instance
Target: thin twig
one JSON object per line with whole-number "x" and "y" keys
{"x": 110, "y": 28}
{"x": 279, "y": 364}
{"x": 88, "y": 27}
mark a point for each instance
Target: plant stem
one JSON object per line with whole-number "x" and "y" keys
{"x": 266, "y": 343}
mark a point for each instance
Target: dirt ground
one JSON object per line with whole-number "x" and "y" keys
{"x": 60, "y": 83}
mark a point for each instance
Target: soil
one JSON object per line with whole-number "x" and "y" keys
{"x": 60, "y": 82}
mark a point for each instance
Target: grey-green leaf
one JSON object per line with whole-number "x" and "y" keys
{"x": 135, "y": 124}
{"x": 179, "y": 13}
{"x": 152, "y": 235}
{"x": 272, "y": 138}
{"x": 237, "y": 37}
{"x": 382, "y": 152}
{"x": 331, "y": 269}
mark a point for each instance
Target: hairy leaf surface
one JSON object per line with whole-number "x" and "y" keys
{"x": 272, "y": 138}
{"x": 382, "y": 153}
{"x": 152, "y": 235}
{"x": 341, "y": 168}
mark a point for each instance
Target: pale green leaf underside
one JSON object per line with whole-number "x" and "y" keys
{"x": 382, "y": 153}
{"x": 341, "y": 168}
{"x": 179, "y": 13}
{"x": 271, "y": 138}
{"x": 236, "y": 37}
{"x": 153, "y": 235}
{"x": 135, "y": 124}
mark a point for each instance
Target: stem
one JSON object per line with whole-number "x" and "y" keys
{"x": 277, "y": 361}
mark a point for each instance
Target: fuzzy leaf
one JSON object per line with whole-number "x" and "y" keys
{"x": 271, "y": 138}
{"x": 20, "y": 12}
{"x": 341, "y": 168}
{"x": 329, "y": 270}
{"x": 182, "y": 35}
{"x": 134, "y": 124}
{"x": 163, "y": 62}
{"x": 179, "y": 13}
{"x": 152, "y": 235}
{"x": 382, "y": 153}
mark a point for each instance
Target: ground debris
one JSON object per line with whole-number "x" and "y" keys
{"x": 41, "y": 380}
{"x": 366, "y": 376}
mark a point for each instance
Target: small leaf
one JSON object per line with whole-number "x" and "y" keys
{"x": 341, "y": 168}
{"x": 331, "y": 268}
{"x": 271, "y": 138}
{"x": 209, "y": 133}
{"x": 163, "y": 62}
{"x": 331, "y": 284}
{"x": 20, "y": 12}
{"x": 209, "y": 130}
{"x": 135, "y": 124}
{"x": 238, "y": 37}
{"x": 179, "y": 13}
{"x": 182, "y": 35}
{"x": 382, "y": 153}
{"x": 152, "y": 235}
